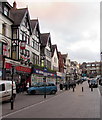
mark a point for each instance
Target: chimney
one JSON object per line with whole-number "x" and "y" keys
{"x": 14, "y": 5}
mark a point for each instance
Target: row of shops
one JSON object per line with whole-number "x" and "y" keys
{"x": 26, "y": 74}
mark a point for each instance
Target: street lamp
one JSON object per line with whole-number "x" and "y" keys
{"x": 12, "y": 100}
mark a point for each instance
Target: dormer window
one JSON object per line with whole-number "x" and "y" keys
{"x": 6, "y": 11}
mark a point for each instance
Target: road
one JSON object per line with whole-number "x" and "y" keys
{"x": 67, "y": 104}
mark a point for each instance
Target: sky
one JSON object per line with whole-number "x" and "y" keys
{"x": 74, "y": 25}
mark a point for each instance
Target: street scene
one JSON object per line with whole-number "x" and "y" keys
{"x": 50, "y": 60}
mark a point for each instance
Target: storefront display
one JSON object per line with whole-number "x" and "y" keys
{"x": 38, "y": 75}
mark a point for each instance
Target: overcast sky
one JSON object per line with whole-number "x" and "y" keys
{"x": 74, "y": 25}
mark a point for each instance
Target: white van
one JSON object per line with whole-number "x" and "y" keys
{"x": 6, "y": 90}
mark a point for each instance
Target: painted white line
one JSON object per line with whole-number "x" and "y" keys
{"x": 31, "y": 106}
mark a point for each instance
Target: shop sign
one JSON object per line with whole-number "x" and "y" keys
{"x": 23, "y": 69}
{"x": 38, "y": 72}
{"x": 42, "y": 72}
{"x": 8, "y": 65}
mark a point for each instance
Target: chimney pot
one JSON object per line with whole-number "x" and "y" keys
{"x": 14, "y": 5}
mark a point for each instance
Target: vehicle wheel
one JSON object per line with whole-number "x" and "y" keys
{"x": 33, "y": 92}
{"x": 53, "y": 92}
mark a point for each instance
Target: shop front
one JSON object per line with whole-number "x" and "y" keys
{"x": 8, "y": 66}
{"x": 60, "y": 77}
{"x": 24, "y": 74}
{"x": 38, "y": 75}
{"x": 21, "y": 74}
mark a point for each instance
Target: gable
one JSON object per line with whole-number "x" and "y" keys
{"x": 26, "y": 22}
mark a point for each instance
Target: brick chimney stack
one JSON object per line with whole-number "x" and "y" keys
{"x": 14, "y": 5}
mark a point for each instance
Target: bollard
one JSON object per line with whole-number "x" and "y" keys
{"x": 82, "y": 89}
{"x": 73, "y": 88}
{"x": 12, "y": 103}
{"x": 91, "y": 88}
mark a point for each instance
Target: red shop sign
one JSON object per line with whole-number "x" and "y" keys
{"x": 23, "y": 69}
{"x": 8, "y": 65}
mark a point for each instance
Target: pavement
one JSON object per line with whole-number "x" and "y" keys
{"x": 67, "y": 104}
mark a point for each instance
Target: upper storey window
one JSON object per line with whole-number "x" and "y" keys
{"x": 6, "y": 11}
{"x": 3, "y": 29}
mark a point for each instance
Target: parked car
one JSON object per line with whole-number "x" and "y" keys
{"x": 93, "y": 83}
{"x": 6, "y": 90}
{"x": 39, "y": 88}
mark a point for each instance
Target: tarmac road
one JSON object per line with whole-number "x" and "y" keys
{"x": 68, "y": 104}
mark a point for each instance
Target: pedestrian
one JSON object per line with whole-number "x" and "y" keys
{"x": 27, "y": 86}
{"x": 61, "y": 86}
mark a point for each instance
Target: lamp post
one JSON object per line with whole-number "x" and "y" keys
{"x": 44, "y": 80}
{"x": 12, "y": 100}
{"x": 45, "y": 73}
{"x": 56, "y": 78}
